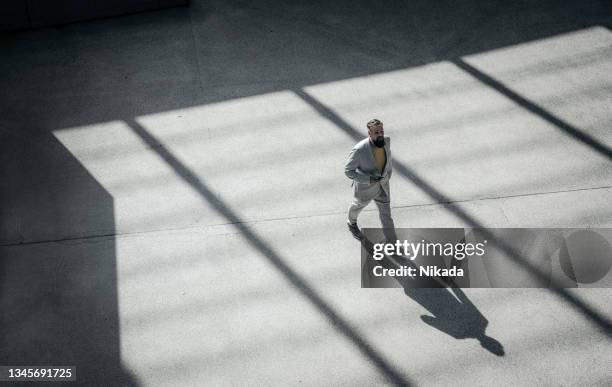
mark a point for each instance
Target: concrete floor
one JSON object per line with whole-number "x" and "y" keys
{"x": 173, "y": 198}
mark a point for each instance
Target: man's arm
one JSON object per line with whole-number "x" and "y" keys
{"x": 389, "y": 159}
{"x": 351, "y": 169}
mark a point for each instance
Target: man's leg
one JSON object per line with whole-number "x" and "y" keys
{"x": 355, "y": 208}
{"x": 383, "y": 202}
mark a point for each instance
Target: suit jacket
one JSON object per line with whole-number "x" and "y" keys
{"x": 360, "y": 166}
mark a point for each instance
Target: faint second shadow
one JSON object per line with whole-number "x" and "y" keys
{"x": 451, "y": 310}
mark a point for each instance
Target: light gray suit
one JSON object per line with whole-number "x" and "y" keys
{"x": 360, "y": 166}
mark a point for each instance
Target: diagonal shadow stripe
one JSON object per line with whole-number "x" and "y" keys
{"x": 338, "y": 322}
{"x": 591, "y": 314}
{"x": 566, "y": 128}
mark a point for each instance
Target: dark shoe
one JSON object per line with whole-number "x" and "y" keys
{"x": 355, "y": 231}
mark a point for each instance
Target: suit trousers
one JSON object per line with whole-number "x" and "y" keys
{"x": 383, "y": 203}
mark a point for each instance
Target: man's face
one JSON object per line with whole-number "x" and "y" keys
{"x": 376, "y": 131}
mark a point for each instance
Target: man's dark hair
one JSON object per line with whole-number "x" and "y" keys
{"x": 373, "y": 122}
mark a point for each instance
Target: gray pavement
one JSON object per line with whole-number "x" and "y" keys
{"x": 173, "y": 200}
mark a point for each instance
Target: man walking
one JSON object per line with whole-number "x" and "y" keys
{"x": 369, "y": 166}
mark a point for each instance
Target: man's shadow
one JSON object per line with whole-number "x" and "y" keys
{"x": 451, "y": 310}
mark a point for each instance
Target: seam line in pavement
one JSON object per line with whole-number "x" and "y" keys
{"x": 252, "y": 222}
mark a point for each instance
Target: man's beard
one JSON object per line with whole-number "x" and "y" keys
{"x": 380, "y": 142}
